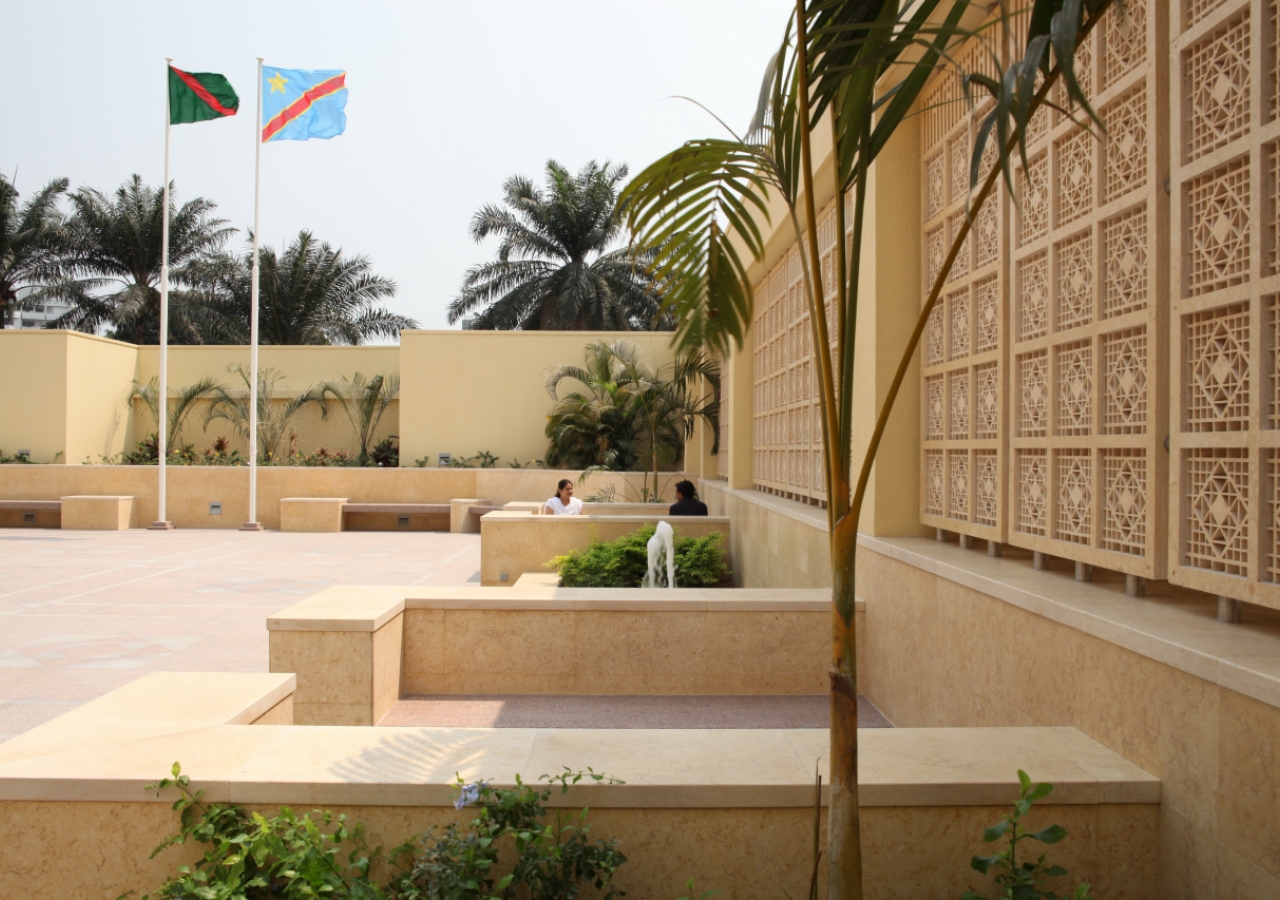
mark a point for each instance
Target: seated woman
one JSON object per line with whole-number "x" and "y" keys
{"x": 564, "y": 503}
{"x": 687, "y": 502}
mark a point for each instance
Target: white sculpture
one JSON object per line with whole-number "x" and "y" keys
{"x": 661, "y": 544}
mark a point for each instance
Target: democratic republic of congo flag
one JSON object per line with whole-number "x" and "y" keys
{"x": 298, "y": 105}
{"x": 199, "y": 96}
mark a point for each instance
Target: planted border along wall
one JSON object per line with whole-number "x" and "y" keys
{"x": 461, "y": 392}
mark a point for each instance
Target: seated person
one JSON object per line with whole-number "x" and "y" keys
{"x": 564, "y": 503}
{"x": 687, "y": 502}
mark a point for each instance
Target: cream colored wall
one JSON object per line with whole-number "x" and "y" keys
{"x": 98, "y": 375}
{"x": 940, "y": 654}
{"x": 34, "y": 416}
{"x": 776, "y": 543}
{"x": 465, "y": 391}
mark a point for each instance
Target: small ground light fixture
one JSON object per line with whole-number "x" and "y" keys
{"x": 445, "y": 460}
{"x": 215, "y": 508}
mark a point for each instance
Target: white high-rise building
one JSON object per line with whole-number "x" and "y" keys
{"x": 38, "y": 315}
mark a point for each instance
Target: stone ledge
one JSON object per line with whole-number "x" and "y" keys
{"x": 1178, "y": 632}
{"x": 668, "y": 768}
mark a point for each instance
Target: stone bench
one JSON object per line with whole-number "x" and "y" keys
{"x": 99, "y": 513}
{"x": 514, "y": 543}
{"x": 32, "y": 513}
{"x": 332, "y": 514}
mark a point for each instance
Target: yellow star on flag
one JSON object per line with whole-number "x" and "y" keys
{"x": 277, "y": 83}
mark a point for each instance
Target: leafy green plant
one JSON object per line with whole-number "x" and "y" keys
{"x": 20, "y": 458}
{"x": 622, "y": 563}
{"x": 252, "y": 856}
{"x": 531, "y": 464}
{"x": 386, "y": 453}
{"x": 177, "y": 413}
{"x": 1022, "y": 880}
{"x": 146, "y": 452}
{"x": 556, "y": 858}
{"x": 482, "y": 460}
{"x": 364, "y": 400}
{"x": 220, "y": 453}
{"x": 273, "y": 418}
{"x": 323, "y": 457}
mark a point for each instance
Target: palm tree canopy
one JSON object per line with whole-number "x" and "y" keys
{"x": 559, "y": 263}
{"x": 310, "y": 294}
{"x": 31, "y": 238}
{"x": 114, "y": 262}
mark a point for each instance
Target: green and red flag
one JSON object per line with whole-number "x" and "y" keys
{"x": 198, "y": 96}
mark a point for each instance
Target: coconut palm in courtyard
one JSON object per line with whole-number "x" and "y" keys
{"x": 364, "y": 400}
{"x": 864, "y": 64}
{"x": 113, "y": 264}
{"x": 561, "y": 263}
{"x": 273, "y": 417}
{"x": 310, "y": 294}
{"x": 179, "y": 412}
{"x": 632, "y": 414}
{"x": 32, "y": 239}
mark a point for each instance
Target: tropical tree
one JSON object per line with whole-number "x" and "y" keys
{"x": 860, "y": 65}
{"x": 562, "y": 261}
{"x": 113, "y": 261}
{"x": 273, "y": 417}
{"x": 364, "y": 400}
{"x": 178, "y": 413}
{"x": 310, "y": 294}
{"x": 32, "y": 239}
{"x": 632, "y": 413}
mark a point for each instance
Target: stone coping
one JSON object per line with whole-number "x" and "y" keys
{"x": 348, "y": 608}
{"x": 1180, "y": 630}
{"x": 305, "y": 765}
{"x": 155, "y": 704}
{"x": 642, "y": 518}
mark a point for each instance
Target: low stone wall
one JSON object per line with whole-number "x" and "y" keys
{"x": 192, "y": 488}
{"x": 356, "y": 650}
{"x": 954, "y": 638}
{"x": 732, "y": 809}
{"x": 776, "y": 543}
{"x": 515, "y": 543}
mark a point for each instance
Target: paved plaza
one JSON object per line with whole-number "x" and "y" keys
{"x": 84, "y": 612}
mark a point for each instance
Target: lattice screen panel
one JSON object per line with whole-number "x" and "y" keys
{"x": 1225, "y": 317}
{"x": 787, "y": 456}
{"x": 964, "y": 407}
{"x": 1089, "y": 335}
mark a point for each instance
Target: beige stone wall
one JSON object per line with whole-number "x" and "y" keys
{"x": 776, "y": 543}
{"x": 942, "y": 654}
{"x": 742, "y": 853}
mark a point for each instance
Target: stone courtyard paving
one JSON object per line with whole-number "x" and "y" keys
{"x": 84, "y": 612}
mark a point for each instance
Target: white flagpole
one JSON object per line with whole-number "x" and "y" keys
{"x": 162, "y": 402}
{"x": 253, "y": 524}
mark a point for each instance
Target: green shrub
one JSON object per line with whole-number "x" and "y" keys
{"x": 254, "y": 857}
{"x": 1022, "y": 880}
{"x": 622, "y": 563}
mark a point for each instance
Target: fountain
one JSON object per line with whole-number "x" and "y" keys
{"x": 661, "y": 544}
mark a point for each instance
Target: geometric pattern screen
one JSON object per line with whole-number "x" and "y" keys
{"x": 1040, "y": 396}
{"x": 1224, "y": 319}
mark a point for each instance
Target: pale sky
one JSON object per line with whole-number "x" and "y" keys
{"x": 446, "y": 101}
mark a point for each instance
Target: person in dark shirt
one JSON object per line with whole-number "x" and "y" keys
{"x": 687, "y": 502}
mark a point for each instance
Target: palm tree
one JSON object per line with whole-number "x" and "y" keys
{"x": 273, "y": 418}
{"x": 633, "y": 413}
{"x": 312, "y": 294}
{"x": 114, "y": 258}
{"x": 31, "y": 241}
{"x": 364, "y": 401}
{"x": 864, "y": 63}
{"x": 558, "y": 266}
{"x": 188, "y": 397}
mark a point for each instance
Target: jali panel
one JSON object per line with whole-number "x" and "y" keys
{"x": 1223, "y": 328}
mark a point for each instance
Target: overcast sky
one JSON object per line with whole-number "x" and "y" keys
{"x": 446, "y": 101}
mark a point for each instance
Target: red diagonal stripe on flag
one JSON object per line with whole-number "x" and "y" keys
{"x": 302, "y": 104}
{"x": 190, "y": 81}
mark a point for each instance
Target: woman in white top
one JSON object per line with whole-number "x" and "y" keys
{"x": 564, "y": 503}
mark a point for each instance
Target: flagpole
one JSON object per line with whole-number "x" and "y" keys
{"x": 162, "y": 402}
{"x": 253, "y": 524}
